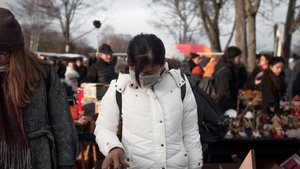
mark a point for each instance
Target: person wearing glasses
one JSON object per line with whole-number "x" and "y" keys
{"x": 36, "y": 127}
{"x": 159, "y": 129}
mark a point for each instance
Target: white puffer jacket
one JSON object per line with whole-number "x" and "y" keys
{"x": 159, "y": 130}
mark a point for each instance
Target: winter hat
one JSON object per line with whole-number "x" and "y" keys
{"x": 173, "y": 53}
{"x": 105, "y": 48}
{"x": 72, "y": 74}
{"x": 11, "y": 37}
{"x": 203, "y": 62}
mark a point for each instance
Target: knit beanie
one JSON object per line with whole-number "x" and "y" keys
{"x": 11, "y": 37}
{"x": 72, "y": 74}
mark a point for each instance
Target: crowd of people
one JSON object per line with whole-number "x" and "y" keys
{"x": 159, "y": 130}
{"x": 269, "y": 77}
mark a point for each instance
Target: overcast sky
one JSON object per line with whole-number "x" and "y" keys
{"x": 131, "y": 17}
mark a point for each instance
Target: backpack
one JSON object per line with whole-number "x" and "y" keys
{"x": 207, "y": 84}
{"x": 213, "y": 124}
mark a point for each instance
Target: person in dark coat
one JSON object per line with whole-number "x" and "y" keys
{"x": 296, "y": 88}
{"x": 193, "y": 61}
{"x": 226, "y": 80}
{"x": 273, "y": 86}
{"x": 36, "y": 127}
{"x": 241, "y": 74}
{"x": 293, "y": 75}
{"x": 254, "y": 80}
{"x": 103, "y": 71}
{"x": 70, "y": 83}
{"x": 81, "y": 69}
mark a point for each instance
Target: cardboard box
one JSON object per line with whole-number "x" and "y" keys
{"x": 89, "y": 105}
{"x": 94, "y": 90}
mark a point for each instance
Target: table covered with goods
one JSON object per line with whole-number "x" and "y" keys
{"x": 250, "y": 129}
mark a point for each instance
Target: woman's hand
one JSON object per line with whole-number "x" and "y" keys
{"x": 257, "y": 82}
{"x": 116, "y": 157}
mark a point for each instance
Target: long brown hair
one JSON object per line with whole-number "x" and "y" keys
{"x": 23, "y": 75}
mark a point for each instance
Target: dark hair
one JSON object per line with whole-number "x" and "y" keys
{"x": 194, "y": 55}
{"x": 279, "y": 81}
{"x": 275, "y": 60}
{"x": 266, "y": 55}
{"x": 145, "y": 49}
{"x": 230, "y": 54}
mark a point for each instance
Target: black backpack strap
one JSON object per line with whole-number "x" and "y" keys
{"x": 183, "y": 88}
{"x": 119, "y": 102}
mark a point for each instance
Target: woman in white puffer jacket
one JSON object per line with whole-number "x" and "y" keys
{"x": 159, "y": 129}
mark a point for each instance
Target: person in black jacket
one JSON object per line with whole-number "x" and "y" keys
{"x": 226, "y": 80}
{"x": 81, "y": 70}
{"x": 273, "y": 86}
{"x": 296, "y": 88}
{"x": 254, "y": 80}
{"x": 103, "y": 71}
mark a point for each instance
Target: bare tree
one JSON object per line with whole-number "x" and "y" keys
{"x": 291, "y": 23}
{"x": 32, "y": 18}
{"x": 177, "y": 18}
{"x": 68, "y": 15}
{"x": 209, "y": 13}
{"x": 251, "y": 11}
{"x": 118, "y": 42}
{"x": 65, "y": 11}
{"x": 240, "y": 30}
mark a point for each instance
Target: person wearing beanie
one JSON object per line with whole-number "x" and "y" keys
{"x": 36, "y": 127}
{"x": 103, "y": 71}
{"x": 71, "y": 83}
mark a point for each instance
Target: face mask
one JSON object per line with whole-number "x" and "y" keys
{"x": 147, "y": 80}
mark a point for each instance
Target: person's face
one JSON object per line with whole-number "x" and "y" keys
{"x": 196, "y": 60}
{"x": 277, "y": 68}
{"x": 149, "y": 70}
{"x": 237, "y": 60}
{"x": 74, "y": 80}
{"x": 78, "y": 63}
{"x": 65, "y": 62}
{"x": 107, "y": 58}
{"x": 263, "y": 62}
{"x": 4, "y": 58}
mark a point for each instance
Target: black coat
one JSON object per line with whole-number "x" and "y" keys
{"x": 226, "y": 85}
{"x": 102, "y": 72}
{"x": 296, "y": 88}
{"x": 270, "y": 95}
{"x": 250, "y": 85}
{"x": 82, "y": 71}
{"x": 69, "y": 91}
